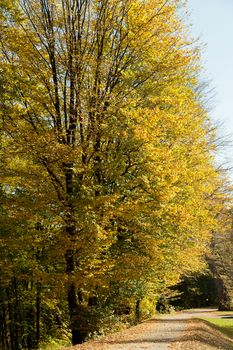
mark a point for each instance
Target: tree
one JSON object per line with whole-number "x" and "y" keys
{"x": 99, "y": 103}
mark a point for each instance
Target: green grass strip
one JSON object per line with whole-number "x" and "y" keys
{"x": 225, "y": 325}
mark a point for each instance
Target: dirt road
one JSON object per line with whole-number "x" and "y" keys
{"x": 180, "y": 331}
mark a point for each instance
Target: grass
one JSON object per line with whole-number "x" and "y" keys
{"x": 55, "y": 344}
{"x": 225, "y": 325}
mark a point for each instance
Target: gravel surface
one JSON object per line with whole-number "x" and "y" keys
{"x": 154, "y": 334}
{"x": 179, "y": 331}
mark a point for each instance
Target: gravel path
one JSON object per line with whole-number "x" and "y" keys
{"x": 178, "y": 331}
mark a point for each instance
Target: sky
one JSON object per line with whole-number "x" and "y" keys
{"x": 212, "y": 21}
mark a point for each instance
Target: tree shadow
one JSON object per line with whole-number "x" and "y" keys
{"x": 166, "y": 320}
{"x": 200, "y": 311}
{"x": 207, "y": 335}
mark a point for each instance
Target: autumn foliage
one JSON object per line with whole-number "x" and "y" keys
{"x": 107, "y": 162}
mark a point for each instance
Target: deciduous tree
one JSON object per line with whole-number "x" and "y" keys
{"x": 106, "y": 137}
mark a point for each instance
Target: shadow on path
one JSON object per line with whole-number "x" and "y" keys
{"x": 200, "y": 333}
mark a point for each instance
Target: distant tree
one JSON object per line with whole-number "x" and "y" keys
{"x": 196, "y": 290}
{"x": 221, "y": 262}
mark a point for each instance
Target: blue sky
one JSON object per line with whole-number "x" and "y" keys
{"x": 212, "y": 21}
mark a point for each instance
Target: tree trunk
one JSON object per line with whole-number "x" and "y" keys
{"x": 12, "y": 338}
{"x": 137, "y": 310}
{"x": 38, "y": 311}
{"x": 78, "y": 335}
{"x": 75, "y": 319}
{"x": 4, "y": 330}
{"x": 71, "y": 297}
